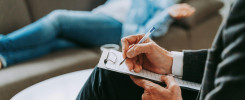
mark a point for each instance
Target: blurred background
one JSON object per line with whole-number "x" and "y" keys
{"x": 195, "y": 32}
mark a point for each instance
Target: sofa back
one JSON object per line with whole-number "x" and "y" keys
{"x": 39, "y": 8}
{"x": 18, "y": 13}
{"x": 13, "y": 15}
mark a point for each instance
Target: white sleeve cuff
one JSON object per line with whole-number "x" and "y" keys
{"x": 177, "y": 66}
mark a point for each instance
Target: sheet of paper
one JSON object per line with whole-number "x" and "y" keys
{"x": 110, "y": 60}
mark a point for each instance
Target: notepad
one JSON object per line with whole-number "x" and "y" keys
{"x": 110, "y": 60}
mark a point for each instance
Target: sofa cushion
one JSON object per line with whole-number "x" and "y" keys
{"x": 39, "y": 8}
{"x": 203, "y": 35}
{"x": 18, "y": 77}
{"x": 176, "y": 39}
{"x": 14, "y": 15}
{"x": 205, "y": 9}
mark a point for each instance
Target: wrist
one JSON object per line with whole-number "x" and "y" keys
{"x": 163, "y": 59}
{"x": 168, "y": 62}
{"x": 170, "y": 57}
{"x": 1, "y": 65}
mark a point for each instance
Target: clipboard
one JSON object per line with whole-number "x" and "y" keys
{"x": 110, "y": 60}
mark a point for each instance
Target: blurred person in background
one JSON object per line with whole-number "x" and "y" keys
{"x": 62, "y": 29}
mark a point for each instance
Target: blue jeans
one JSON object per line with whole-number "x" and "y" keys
{"x": 58, "y": 30}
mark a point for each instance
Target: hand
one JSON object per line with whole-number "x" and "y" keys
{"x": 154, "y": 91}
{"x": 1, "y": 65}
{"x": 178, "y": 11}
{"x": 148, "y": 55}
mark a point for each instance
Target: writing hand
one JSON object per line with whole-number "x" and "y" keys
{"x": 147, "y": 55}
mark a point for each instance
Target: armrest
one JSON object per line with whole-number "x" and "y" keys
{"x": 96, "y": 3}
{"x": 204, "y": 10}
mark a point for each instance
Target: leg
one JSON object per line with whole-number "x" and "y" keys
{"x": 13, "y": 57}
{"x": 108, "y": 85}
{"x": 89, "y": 29}
{"x": 73, "y": 25}
{"x": 37, "y": 33}
{"x": 82, "y": 27}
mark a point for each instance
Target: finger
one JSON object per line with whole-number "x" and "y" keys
{"x": 129, "y": 63}
{"x": 185, "y": 5}
{"x": 126, "y": 41}
{"x": 125, "y": 51}
{"x": 125, "y": 46}
{"x": 139, "y": 49}
{"x": 137, "y": 66}
{"x": 169, "y": 81}
{"x": 141, "y": 59}
{"x": 193, "y": 10}
{"x": 133, "y": 39}
{"x": 189, "y": 11}
{"x": 145, "y": 95}
{"x": 184, "y": 13}
{"x": 178, "y": 15}
{"x": 148, "y": 85}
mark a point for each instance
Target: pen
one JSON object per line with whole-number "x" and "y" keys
{"x": 142, "y": 40}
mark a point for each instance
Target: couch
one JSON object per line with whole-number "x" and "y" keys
{"x": 196, "y": 32}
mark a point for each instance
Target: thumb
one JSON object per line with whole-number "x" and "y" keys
{"x": 169, "y": 81}
{"x": 139, "y": 49}
{"x": 148, "y": 85}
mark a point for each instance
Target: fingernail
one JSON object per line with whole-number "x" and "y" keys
{"x": 137, "y": 69}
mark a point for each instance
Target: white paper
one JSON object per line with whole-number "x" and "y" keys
{"x": 114, "y": 58}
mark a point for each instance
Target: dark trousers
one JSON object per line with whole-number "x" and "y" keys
{"x": 107, "y": 85}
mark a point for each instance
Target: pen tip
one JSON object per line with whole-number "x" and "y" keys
{"x": 123, "y": 60}
{"x": 121, "y": 63}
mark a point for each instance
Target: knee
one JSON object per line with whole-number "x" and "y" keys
{"x": 58, "y": 13}
{"x": 57, "y": 16}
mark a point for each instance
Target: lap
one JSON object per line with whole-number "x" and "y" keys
{"x": 108, "y": 85}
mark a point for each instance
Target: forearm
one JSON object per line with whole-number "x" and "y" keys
{"x": 194, "y": 64}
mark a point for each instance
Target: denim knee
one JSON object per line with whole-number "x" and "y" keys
{"x": 56, "y": 17}
{"x": 58, "y": 14}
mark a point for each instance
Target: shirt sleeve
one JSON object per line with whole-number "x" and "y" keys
{"x": 177, "y": 66}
